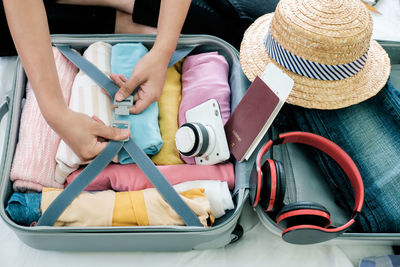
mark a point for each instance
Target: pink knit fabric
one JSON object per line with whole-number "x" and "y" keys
{"x": 130, "y": 178}
{"x": 204, "y": 76}
{"x": 34, "y": 159}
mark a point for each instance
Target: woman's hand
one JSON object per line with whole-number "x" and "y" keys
{"x": 149, "y": 73}
{"x": 86, "y": 136}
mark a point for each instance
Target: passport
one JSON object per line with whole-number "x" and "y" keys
{"x": 256, "y": 111}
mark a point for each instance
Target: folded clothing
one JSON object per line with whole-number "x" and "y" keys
{"x": 88, "y": 98}
{"x": 144, "y": 126}
{"x": 148, "y": 207}
{"x": 87, "y": 209}
{"x": 109, "y": 208}
{"x": 24, "y": 208}
{"x": 130, "y": 177}
{"x": 37, "y": 142}
{"x": 217, "y": 193}
{"x": 168, "y": 107}
{"x": 204, "y": 76}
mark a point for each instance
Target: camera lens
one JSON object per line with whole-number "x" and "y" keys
{"x": 192, "y": 139}
{"x": 185, "y": 139}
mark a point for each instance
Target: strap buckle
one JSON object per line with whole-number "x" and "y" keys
{"x": 122, "y": 107}
{"x": 121, "y": 125}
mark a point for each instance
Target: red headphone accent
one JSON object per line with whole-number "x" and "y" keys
{"x": 273, "y": 184}
{"x": 305, "y": 212}
{"x": 303, "y": 222}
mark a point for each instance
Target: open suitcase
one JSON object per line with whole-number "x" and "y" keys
{"x": 171, "y": 238}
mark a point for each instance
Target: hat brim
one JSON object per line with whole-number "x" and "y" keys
{"x": 313, "y": 93}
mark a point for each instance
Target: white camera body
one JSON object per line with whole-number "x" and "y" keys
{"x": 203, "y": 135}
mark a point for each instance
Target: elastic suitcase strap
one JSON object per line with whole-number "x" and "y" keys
{"x": 55, "y": 209}
{"x": 52, "y": 213}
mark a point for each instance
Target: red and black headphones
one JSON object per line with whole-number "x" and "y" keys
{"x": 301, "y": 222}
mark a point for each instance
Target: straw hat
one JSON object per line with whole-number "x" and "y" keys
{"x": 325, "y": 46}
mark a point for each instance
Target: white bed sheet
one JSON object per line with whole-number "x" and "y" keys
{"x": 258, "y": 246}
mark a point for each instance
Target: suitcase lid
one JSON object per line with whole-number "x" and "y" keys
{"x": 304, "y": 179}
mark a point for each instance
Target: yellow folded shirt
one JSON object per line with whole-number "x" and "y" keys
{"x": 168, "y": 107}
{"x": 134, "y": 208}
{"x": 87, "y": 209}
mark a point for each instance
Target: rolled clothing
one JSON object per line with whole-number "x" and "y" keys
{"x": 168, "y": 106}
{"x": 204, "y": 76}
{"x": 130, "y": 178}
{"x": 217, "y": 193}
{"x": 88, "y": 98}
{"x": 133, "y": 208}
{"x": 24, "y": 208}
{"x": 369, "y": 132}
{"x": 37, "y": 142}
{"x": 144, "y": 126}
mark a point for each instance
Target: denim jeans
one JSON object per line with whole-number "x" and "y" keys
{"x": 24, "y": 208}
{"x": 370, "y": 133}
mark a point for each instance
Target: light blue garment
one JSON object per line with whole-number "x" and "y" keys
{"x": 24, "y": 208}
{"x": 144, "y": 126}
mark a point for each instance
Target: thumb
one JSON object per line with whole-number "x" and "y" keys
{"x": 127, "y": 88}
{"x": 111, "y": 133}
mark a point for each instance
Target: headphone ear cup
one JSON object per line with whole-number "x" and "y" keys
{"x": 255, "y": 186}
{"x": 273, "y": 185}
{"x": 281, "y": 184}
{"x": 303, "y": 213}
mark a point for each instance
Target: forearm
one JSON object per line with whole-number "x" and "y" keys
{"x": 28, "y": 26}
{"x": 171, "y": 18}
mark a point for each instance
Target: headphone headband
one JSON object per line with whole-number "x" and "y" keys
{"x": 336, "y": 153}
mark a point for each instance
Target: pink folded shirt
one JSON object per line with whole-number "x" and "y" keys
{"x": 34, "y": 160}
{"x": 204, "y": 76}
{"x": 130, "y": 178}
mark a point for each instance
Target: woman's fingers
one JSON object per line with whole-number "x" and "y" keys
{"x": 111, "y": 133}
{"x": 119, "y": 79}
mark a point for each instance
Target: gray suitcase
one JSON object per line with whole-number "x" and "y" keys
{"x": 155, "y": 238}
{"x": 169, "y": 238}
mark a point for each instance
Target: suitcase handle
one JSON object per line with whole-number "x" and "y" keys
{"x": 55, "y": 209}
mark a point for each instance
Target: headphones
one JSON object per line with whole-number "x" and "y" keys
{"x": 301, "y": 222}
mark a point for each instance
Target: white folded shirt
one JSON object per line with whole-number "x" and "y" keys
{"x": 88, "y": 98}
{"x": 217, "y": 193}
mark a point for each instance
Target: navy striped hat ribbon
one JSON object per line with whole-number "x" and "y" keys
{"x": 309, "y": 68}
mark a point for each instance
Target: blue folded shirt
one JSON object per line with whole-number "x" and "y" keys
{"x": 24, "y": 208}
{"x": 144, "y": 126}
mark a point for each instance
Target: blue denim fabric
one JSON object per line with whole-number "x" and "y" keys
{"x": 24, "y": 208}
{"x": 370, "y": 133}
